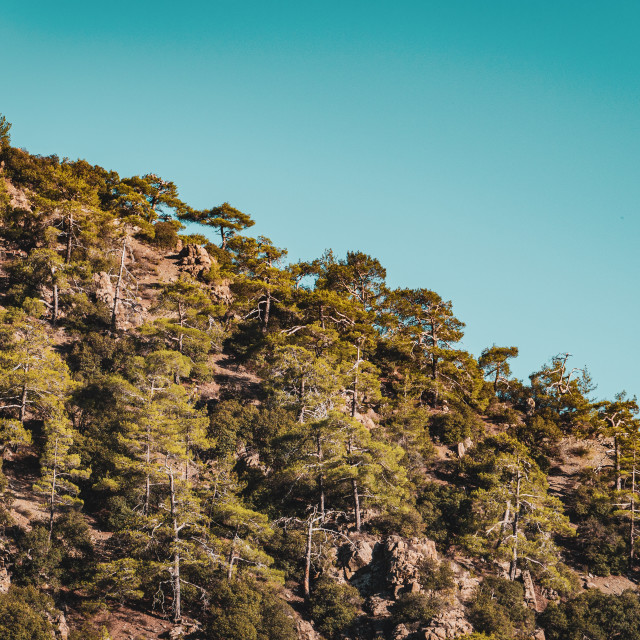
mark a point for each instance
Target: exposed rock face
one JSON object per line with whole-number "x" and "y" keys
{"x": 400, "y": 632}
{"x": 449, "y": 624}
{"x": 356, "y": 557}
{"x": 17, "y": 198}
{"x": 306, "y": 630}
{"x": 130, "y": 311}
{"x": 382, "y": 570}
{"x": 404, "y": 557}
{"x": 195, "y": 260}
{"x": 221, "y": 292}
{"x": 63, "y": 627}
{"x": 5, "y": 580}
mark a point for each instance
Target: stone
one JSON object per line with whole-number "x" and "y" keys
{"x": 403, "y": 559}
{"x": 378, "y": 606}
{"x": 306, "y": 630}
{"x": 5, "y": 580}
{"x": 195, "y": 260}
{"x": 400, "y": 632}
{"x": 63, "y": 627}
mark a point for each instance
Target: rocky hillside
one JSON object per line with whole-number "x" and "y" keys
{"x": 201, "y": 440}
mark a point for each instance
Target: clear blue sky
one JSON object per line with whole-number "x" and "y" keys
{"x": 487, "y": 150}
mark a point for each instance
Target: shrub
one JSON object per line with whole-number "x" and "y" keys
{"x": 417, "y": 607}
{"x": 166, "y": 234}
{"x": 334, "y": 607}
{"x": 22, "y": 615}
{"x": 244, "y": 611}
{"x": 593, "y": 615}
{"x": 499, "y": 609}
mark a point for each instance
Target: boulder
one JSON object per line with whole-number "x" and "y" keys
{"x": 5, "y": 580}
{"x": 195, "y": 260}
{"x": 404, "y": 557}
{"x": 449, "y": 624}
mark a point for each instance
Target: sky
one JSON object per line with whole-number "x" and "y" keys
{"x": 485, "y": 150}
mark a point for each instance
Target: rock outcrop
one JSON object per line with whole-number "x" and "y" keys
{"x": 194, "y": 260}
{"x": 383, "y": 570}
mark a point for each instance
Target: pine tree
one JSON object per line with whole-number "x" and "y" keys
{"x": 33, "y": 377}
{"x": 493, "y": 361}
{"x": 226, "y": 219}
{"x": 427, "y": 323}
{"x": 262, "y": 281}
{"x": 513, "y": 516}
{"x": 61, "y": 468}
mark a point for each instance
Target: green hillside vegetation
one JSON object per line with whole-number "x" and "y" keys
{"x": 196, "y": 433}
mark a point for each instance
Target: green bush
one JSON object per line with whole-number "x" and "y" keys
{"x": 594, "y": 615}
{"x": 22, "y": 615}
{"x": 243, "y": 611}
{"x": 498, "y": 609}
{"x": 417, "y": 607}
{"x": 436, "y": 576}
{"x": 456, "y": 425}
{"x": 166, "y": 234}
{"x": 404, "y": 521}
{"x": 334, "y": 607}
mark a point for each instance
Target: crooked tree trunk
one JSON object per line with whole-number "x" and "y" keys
{"x": 67, "y": 257}
{"x": 516, "y": 517}
{"x": 320, "y": 476}
{"x": 632, "y": 532}
{"x": 307, "y": 560}
{"x": 356, "y": 503}
{"x": 267, "y": 312}
{"x": 231, "y": 558}
{"x": 116, "y": 296}
{"x": 54, "y": 318}
{"x": 354, "y": 404}
{"x": 177, "y": 595}
{"x": 23, "y": 401}
{"x": 616, "y": 445}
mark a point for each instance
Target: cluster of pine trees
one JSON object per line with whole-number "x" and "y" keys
{"x": 365, "y": 417}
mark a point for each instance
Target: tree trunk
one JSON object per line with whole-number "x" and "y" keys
{"x": 23, "y": 401}
{"x": 177, "y": 604}
{"x": 320, "y": 477}
{"x": 231, "y": 557}
{"x": 505, "y": 522}
{"x": 54, "y": 319}
{"x": 354, "y": 404}
{"x": 307, "y": 560}
{"x": 516, "y": 516}
{"x": 616, "y": 445}
{"x": 632, "y": 533}
{"x": 116, "y": 297}
{"x": 67, "y": 257}
{"x": 267, "y": 312}
{"x": 301, "y": 414}
{"x": 356, "y": 503}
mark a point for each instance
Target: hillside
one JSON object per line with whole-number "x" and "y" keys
{"x": 201, "y": 440}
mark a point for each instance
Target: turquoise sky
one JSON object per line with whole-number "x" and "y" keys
{"x": 487, "y": 150}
